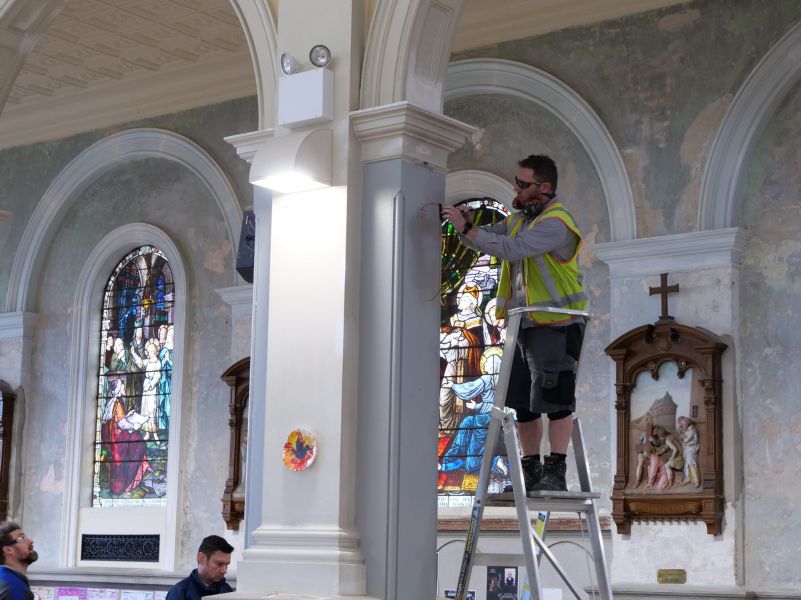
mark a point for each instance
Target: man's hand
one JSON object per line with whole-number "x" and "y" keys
{"x": 458, "y": 216}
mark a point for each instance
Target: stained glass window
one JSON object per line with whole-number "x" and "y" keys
{"x": 134, "y": 382}
{"x": 471, "y": 347}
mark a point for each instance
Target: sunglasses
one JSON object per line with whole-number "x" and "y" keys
{"x": 524, "y": 185}
{"x": 18, "y": 539}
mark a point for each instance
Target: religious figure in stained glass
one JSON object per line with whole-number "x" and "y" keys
{"x": 471, "y": 339}
{"x": 135, "y": 382}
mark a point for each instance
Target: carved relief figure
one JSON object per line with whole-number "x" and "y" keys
{"x": 671, "y": 444}
{"x": 690, "y": 445}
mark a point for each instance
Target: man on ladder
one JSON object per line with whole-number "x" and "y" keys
{"x": 539, "y": 249}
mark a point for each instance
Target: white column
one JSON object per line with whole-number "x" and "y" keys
{"x": 405, "y": 151}
{"x": 706, "y": 265}
{"x": 301, "y": 533}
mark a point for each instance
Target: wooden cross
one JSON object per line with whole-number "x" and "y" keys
{"x": 664, "y": 289}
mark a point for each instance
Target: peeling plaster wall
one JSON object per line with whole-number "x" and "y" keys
{"x": 169, "y": 196}
{"x": 770, "y": 208}
{"x": 662, "y": 82}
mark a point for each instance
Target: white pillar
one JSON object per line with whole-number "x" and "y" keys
{"x": 405, "y": 151}
{"x": 344, "y": 343}
{"x": 301, "y": 533}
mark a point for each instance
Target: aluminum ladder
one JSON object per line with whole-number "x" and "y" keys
{"x": 582, "y": 502}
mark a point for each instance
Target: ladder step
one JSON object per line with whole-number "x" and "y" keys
{"x": 490, "y": 559}
{"x": 580, "y": 502}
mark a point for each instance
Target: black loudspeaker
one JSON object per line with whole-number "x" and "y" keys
{"x": 247, "y": 245}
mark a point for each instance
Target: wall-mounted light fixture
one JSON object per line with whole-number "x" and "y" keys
{"x": 320, "y": 55}
{"x": 297, "y": 162}
{"x": 288, "y": 64}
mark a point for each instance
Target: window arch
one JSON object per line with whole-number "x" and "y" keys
{"x": 134, "y": 382}
{"x": 159, "y": 518}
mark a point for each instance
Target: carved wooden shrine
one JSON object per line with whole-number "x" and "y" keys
{"x": 652, "y": 482}
{"x": 7, "y": 399}
{"x": 237, "y": 376}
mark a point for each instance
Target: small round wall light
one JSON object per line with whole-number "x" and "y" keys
{"x": 320, "y": 55}
{"x": 288, "y": 64}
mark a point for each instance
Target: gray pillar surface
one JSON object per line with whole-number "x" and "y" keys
{"x": 396, "y": 511}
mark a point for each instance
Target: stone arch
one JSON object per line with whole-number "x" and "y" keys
{"x": 86, "y": 168}
{"x": 258, "y": 25}
{"x": 758, "y": 98}
{"x": 407, "y": 52}
{"x": 484, "y": 76}
{"x": 473, "y": 183}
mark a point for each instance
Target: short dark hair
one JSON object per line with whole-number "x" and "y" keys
{"x": 543, "y": 166}
{"x": 214, "y": 543}
{"x": 5, "y": 537}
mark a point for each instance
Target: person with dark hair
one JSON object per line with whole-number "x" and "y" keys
{"x": 213, "y": 558}
{"x": 17, "y": 554}
{"x": 538, "y": 247}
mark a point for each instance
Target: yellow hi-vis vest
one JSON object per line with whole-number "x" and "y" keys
{"x": 547, "y": 280}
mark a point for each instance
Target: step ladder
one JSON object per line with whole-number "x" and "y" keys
{"x": 582, "y": 502}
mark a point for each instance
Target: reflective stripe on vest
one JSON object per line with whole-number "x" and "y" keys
{"x": 547, "y": 280}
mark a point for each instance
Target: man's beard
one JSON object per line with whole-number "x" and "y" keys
{"x": 32, "y": 557}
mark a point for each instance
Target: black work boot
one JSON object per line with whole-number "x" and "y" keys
{"x": 553, "y": 476}
{"x": 532, "y": 472}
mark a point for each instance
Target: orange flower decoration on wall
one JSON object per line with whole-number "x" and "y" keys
{"x": 300, "y": 450}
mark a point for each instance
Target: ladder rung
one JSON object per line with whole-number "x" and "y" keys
{"x": 580, "y": 502}
{"x": 488, "y": 559}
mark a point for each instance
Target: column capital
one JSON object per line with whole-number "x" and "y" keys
{"x": 676, "y": 253}
{"x": 17, "y": 325}
{"x": 403, "y": 130}
{"x": 239, "y": 298}
{"x": 247, "y": 144}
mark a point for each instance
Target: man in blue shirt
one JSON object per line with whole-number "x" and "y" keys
{"x": 213, "y": 558}
{"x": 16, "y": 554}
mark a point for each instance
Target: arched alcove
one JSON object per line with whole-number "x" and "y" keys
{"x": 495, "y": 76}
{"x": 87, "y": 167}
{"x": 758, "y": 98}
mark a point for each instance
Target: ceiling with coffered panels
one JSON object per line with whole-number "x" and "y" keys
{"x": 102, "y": 41}
{"x": 106, "y": 62}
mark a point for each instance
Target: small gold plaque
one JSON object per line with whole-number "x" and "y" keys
{"x": 671, "y": 576}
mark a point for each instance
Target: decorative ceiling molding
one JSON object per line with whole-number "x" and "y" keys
{"x": 87, "y": 167}
{"x": 116, "y": 102}
{"x": 483, "y": 24}
{"x": 757, "y": 100}
{"x": 123, "y": 61}
{"x": 493, "y": 76}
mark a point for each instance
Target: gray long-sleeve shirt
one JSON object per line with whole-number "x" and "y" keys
{"x": 549, "y": 236}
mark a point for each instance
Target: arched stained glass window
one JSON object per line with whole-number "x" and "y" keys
{"x": 471, "y": 340}
{"x": 135, "y": 382}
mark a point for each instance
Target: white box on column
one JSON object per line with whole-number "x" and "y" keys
{"x": 306, "y": 98}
